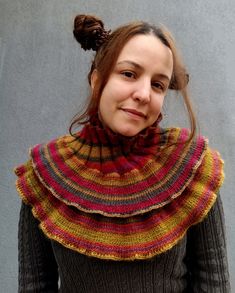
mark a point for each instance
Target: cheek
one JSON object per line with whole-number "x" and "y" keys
{"x": 156, "y": 109}
{"x": 111, "y": 96}
{"x": 157, "y": 105}
{"x": 103, "y": 105}
{"x": 106, "y": 106}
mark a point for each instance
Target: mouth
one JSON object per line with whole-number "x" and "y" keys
{"x": 134, "y": 112}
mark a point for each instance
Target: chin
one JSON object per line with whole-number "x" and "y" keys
{"x": 128, "y": 132}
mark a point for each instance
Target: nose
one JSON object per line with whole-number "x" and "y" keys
{"x": 142, "y": 91}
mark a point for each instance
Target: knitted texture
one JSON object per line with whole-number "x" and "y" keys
{"x": 120, "y": 198}
{"x": 198, "y": 263}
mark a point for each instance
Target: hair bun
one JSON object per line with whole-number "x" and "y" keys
{"x": 89, "y": 32}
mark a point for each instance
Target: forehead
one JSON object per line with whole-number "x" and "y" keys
{"x": 148, "y": 50}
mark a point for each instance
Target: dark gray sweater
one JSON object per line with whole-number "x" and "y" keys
{"x": 198, "y": 263}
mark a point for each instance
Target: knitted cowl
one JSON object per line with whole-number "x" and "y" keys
{"x": 120, "y": 198}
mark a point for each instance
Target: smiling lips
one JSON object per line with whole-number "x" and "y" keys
{"x": 134, "y": 112}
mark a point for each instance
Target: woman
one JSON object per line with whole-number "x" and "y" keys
{"x": 124, "y": 205}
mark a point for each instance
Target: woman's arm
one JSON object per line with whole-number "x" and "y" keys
{"x": 206, "y": 254}
{"x": 37, "y": 266}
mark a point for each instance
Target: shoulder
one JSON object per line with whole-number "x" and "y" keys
{"x": 25, "y": 171}
{"x": 208, "y": 163}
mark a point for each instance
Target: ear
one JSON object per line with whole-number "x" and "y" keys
{"x": 94, "y": 78}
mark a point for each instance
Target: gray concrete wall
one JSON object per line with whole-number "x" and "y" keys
{"x": 43, "y": 81}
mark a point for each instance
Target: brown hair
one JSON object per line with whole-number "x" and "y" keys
{"x": 90, "y": 33}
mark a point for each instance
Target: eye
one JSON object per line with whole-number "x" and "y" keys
{"x": 128, "y": 74}
{"x": 158, "y": 86}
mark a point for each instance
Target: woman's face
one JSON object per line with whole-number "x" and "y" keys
{"x": 133, "y": 97}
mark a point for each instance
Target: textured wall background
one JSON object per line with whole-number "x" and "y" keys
{"x": 43, "y": 81}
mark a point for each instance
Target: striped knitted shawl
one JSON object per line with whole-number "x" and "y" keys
{"x": 120, "y": 198}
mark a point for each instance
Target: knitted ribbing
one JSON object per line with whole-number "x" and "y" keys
{"x": 116, "y": 176}
{"x": 118, "y": 198}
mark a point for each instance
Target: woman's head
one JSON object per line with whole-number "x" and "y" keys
{"x": 133, "y": 95}
{"x": 89, "y": 32}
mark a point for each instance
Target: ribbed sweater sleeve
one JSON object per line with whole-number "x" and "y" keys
{"x": 37, "y": 266}
{"x": 207, "y": 256}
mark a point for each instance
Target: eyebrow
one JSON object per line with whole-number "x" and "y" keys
{"x": 138, "y": 66}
